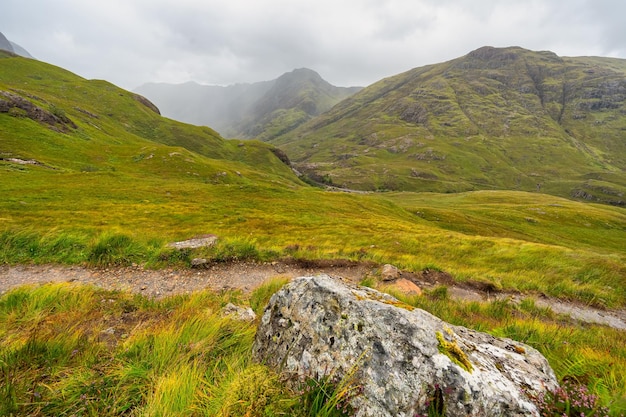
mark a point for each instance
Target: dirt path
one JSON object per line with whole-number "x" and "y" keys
{"x": 164, "y": 282}
{"x": 247, "y": 276}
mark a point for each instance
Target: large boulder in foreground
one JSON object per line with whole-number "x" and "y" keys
{"x": 405, "y": 358}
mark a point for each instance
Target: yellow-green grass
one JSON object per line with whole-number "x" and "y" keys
{"x": 125, "y": 182}
{"x": 516, "y": 241}
{"x": 80, "y": 350}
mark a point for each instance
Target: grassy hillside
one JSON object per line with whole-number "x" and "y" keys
{"x": 93, "y": 127}
{"x": 83, "y": 351}
{"x": 109, "y": 181}
{"x": 494, "y": 119}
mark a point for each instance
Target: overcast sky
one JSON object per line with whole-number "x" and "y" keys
{"x": 349, "y": 42}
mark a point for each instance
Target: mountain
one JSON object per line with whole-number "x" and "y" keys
{"x": 21, "y": 51}
{"x": 497, "y": 118}
{"x": 260, "y": 110}
{"x": 7, "y": 45}
{"x": 64, "y": 124}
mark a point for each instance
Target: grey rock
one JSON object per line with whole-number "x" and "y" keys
{"x": 194, "y": 243}
{"x": 316, "y": 327}
{"x": 239, "y": 313}
{"x": 60, "y": 120}
{"x": 198, "y": 262}
{"x": 389, "y": 272}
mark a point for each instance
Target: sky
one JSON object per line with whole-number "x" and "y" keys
{"x": 348, "y": 42}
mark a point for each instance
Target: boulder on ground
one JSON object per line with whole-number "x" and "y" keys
{"x": 405, "y": 358}
{"x": 389, "y": 272}
{"x": 404, "y": 286}
{"x": 199, "y": 262}
{"x": 202, "y": 241}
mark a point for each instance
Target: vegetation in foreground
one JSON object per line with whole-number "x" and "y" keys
{"x": 79, "y": 350}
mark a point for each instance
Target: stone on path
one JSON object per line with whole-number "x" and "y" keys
{"x": 404, "y": 286}
{"x": 389, "y": 272}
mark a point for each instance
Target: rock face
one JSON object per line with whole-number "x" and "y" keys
{"x": 239, "y": 313}
{"x": 58, "y": 121}
{"x": 404, "y": 358}
{"x": 404, "y": 286}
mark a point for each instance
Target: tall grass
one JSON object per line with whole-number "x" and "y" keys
{"x": 77, "y": 350}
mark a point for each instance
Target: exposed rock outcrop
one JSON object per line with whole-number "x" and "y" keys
{"x": 55, "y": 118}
{"x": 405, "y": 358}
{"x": 147, "y": 103}
{"x": 238, "y": 313}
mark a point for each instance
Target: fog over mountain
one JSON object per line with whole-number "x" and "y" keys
{"x": 261, "y": 110}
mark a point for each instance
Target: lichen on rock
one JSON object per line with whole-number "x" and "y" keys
{"x": 315, "y": 327}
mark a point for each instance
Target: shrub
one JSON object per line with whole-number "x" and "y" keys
{"x": 570, "y": 400}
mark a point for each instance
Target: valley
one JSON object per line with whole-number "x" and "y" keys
{"x": 505, "y": 181}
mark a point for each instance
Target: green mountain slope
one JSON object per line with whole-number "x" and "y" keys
{"x": 505, "y": 118}
{"x": 54, "y": 119}
{"x": 260, "y": 110}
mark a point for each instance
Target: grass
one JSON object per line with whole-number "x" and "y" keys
{"x": 85, "y": 351}
{"x": 125, "y": 182}
{"x": 576, "y": 251}
{"x": 78, "y": 350}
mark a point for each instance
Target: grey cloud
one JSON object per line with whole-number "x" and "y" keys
{"x": 352, "y": 42}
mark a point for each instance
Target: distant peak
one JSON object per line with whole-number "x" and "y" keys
{"x": 302, "y": 73}
{"x": 5, "y": 44}
{"x": 487, "y": 53}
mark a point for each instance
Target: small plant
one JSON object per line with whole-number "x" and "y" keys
{"x": 261, "y": 295}
{"x": 435, "y": 403}
{"x": 454, "y": 352}
{"x": 112, "y": 249}
{"x": 58, "y": 112}
{"x": 439, "y": 293}
{"x": 571, "y": 399}
{"x": 328, "y": 398}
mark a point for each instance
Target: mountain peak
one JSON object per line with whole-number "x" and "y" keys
{"x": 5, "y": 44}
{"x": 259, "y": 110}
{"x": 12, "y": 47}
{"x": 509, "y": 52}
